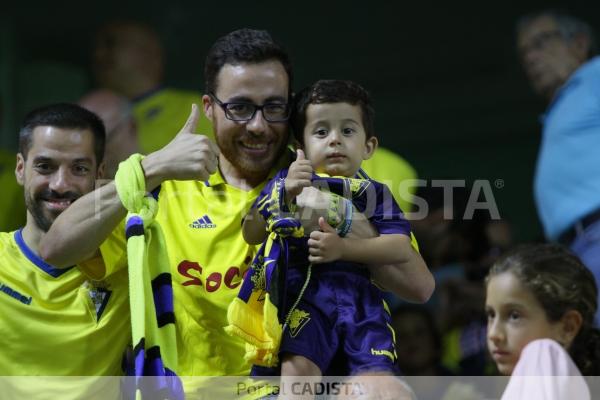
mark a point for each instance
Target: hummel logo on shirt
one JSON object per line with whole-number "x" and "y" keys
{"x": 203, "y": 222}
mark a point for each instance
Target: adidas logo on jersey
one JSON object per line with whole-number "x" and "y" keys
{"x": 203, "y": 222}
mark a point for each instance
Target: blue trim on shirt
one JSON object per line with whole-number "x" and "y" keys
{"x": 35, "y": 259}
{"x": 156, "y": 192}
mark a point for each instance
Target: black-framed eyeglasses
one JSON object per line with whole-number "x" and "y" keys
{"x": 241, "y": 112}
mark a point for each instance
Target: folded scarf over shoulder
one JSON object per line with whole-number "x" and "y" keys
{"x": 150, "y": 290}
{"x": 257, "y": 314}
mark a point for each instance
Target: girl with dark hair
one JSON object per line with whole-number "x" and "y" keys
{"x": 540, "y": 303}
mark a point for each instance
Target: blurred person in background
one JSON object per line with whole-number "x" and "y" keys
{"x": 391, "y": 169}
{"x": 12, "y": 206}
{"x": 557, "y": 52}
{"x": 418, "y": 341}
{"x": 128, "y": 58}
{"x": 121, "y": 133}
{"x": 461, "y": 243}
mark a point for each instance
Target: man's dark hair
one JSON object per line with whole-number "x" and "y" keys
{"x": 332, "y": 91}
{"x": 65, "y": 116}
{"x": 568, "y": 25}
{"x": 243, "y": 46}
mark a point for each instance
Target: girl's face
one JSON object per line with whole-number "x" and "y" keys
{"x": 515, "y": 318}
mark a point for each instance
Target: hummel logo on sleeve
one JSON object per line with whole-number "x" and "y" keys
{"x": 14, "y": 294}
{"x": 203, "y": 222}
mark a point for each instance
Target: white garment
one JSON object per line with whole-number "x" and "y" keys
{"x": 545, "y": 371}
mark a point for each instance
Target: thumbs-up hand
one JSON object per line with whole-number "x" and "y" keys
{"x": 299, "y": 176}
{"x": 189, "y": 156}
{"x": 325, "y": 245}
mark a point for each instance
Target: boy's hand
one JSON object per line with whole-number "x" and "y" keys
{"x": 299, "y": 176}
{"x": 325, "y": 245}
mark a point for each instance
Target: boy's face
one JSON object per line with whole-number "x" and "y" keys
{"x": 335, "y": 140}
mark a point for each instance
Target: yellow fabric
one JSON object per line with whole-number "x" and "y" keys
{"x": 207, "y": 262}
{"x": 413, "y": 242}
{"x": 387, "y": 167}
{"x": 260, "y": 329}
{"x": 113, "y": 255}
{"x": 452, "y": 351}
{"x": 12, "y": 203}
{"x": 161, "y": 114}
{"x": 147, "y": 260}
{"x": 50, "y": 326}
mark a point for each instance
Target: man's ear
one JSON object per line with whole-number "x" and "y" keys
{"x": 571, "y": 323}
{"x": 100, "y": 170}
{"x": 370, "y": 146}
{"x": 20, "y": 169}
{"x": 580, "y": 44}
{"x": 207, "y": 106}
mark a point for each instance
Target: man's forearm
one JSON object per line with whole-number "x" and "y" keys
{"x": 78, "y": 232}
{"x": 411, "y": 281}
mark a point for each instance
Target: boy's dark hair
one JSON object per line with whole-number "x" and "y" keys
{"x": 332, "y": 91}
{"x": 66, "y": 116}
{"x": 243, "y": 46}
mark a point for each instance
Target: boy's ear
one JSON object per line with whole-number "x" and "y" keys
{"x": 571, "y": 323}
{"x": 370, "y": 146}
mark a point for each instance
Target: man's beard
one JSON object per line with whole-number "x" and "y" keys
{"x": 39, "y": 213}
{"x": 246, "y": 165}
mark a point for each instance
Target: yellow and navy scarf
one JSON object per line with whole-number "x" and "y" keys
{"x": 150, "y": 290}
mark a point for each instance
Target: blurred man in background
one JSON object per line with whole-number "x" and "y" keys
{"x": 557, "y": 54}
{"x": 128, "y": 58}
{"x": 121, "y": 133}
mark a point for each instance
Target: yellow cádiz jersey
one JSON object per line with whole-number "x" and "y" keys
{"x": 59, "y": 321}
{"x": 159, "y": 115}
{"x": 202, "y": 223}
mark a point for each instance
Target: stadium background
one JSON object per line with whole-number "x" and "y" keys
{"x": 449, "y": 94}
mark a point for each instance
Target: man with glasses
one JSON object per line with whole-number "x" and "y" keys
{"x": 203, "y": 192}
{"x": 556, "y": 51}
